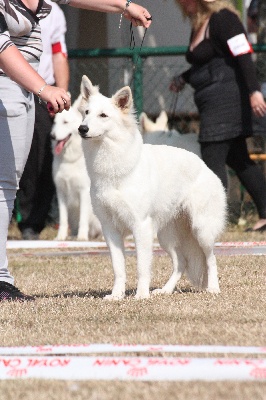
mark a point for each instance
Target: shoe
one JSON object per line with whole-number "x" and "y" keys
{"x": 30, "y": 234}
{"x": 9, "y": 292}
{"x": 261, "y": 229}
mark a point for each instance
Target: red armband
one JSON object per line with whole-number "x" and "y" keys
{"x": 57, "y": 48}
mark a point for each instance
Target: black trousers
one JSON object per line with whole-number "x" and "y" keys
{"x": 234, "y": 153}
{"x": 36, "y": 185}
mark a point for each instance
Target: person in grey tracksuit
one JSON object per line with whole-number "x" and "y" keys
{"x": 20, "y": 51}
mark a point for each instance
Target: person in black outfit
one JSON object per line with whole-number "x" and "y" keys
{"x": 37, "y": 189}
{"x": 226, "y": 92}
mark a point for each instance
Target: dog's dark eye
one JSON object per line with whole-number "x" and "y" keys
{"x": 87, "y": 112}
{"x": 103, "y": 115}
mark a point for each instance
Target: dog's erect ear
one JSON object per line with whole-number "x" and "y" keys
{"x": 86, "y": 88}
{"x": 123, "y": 99}
{"x": 147, "y": 125}
{"x": 77, "y": 102}
{"x": 142, "y": 121}
{"x": 162, "y": 121}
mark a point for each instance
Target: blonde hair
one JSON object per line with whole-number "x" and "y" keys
{"x": 206, "y": 9}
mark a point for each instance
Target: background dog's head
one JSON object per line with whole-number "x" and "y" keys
{"x": 103, "y": 115}
{"x": 160, "y": 124}
{"x": 65, "y": 126}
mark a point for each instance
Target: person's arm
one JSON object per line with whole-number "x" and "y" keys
{"x": 132, "y": 11}
{"x": 228, "y": 33}
{"x": 61, "y": 70}
{"x": 18, "y": 69}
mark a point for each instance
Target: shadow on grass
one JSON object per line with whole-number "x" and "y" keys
{"x": 96, "y": 294}
{"x": 100, "y": 294}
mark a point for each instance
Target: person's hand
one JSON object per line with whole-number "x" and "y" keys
{"x": 258, "y": 104}
{"x": 57, "y": 98}
{"x": 177, "y": 84}
{"x": 138, "y": 15}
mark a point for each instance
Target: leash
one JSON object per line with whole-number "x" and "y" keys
{"x": 132, "y": 43}
{"x": 173, "y": 106}
{"x": 174, "y": 103}
{"x": 132, "y": 47}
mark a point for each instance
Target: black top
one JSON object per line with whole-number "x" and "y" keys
{"x": 222, "y": 26}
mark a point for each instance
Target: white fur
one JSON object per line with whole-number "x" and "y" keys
{"x": 71, "y": 178}
{"x": 136, "y": 188}
{"x": 158, "y": 133}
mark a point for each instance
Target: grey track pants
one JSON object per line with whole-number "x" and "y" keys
{"x": 16, "y": 129}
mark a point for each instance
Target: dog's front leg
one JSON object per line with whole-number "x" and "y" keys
{"x": 63, "y": 217}
{"x": 115, "y": 243}
{"x": 84, "y": 213}
{"x": 143, "y": 235}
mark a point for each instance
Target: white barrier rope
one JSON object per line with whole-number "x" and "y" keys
{"x": 133, "y": 368}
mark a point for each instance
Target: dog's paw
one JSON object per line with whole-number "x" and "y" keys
{"x": 141, "y": 296}
{"x": 60, "y": 238}
{"x": 160, "y": 291}
{"x": 111, "y": 297}
{"x": 82, "y": 238}
{"x": 213, "y": 290}
{"x": 157, "y": 291}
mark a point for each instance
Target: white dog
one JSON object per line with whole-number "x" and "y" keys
{"x": 71, "y": 178}
{"x": 138, "y": 187}
{"x": 158, "y": 133}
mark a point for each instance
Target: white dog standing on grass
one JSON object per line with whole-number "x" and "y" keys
{"x": 71, "y": 178}
{"x": 138, "y": 188}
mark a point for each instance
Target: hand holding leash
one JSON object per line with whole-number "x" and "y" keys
{"x": 138, "y": 15}
{"x": 177, "y": 84}
{"x": 57, "y": 98}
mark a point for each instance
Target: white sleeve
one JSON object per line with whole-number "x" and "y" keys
{"x": 58, "y": 28}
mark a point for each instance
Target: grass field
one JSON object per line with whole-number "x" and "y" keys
{"x": 69, "y": 309}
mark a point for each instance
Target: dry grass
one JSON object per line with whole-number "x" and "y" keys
{"x": 69, "y": 309}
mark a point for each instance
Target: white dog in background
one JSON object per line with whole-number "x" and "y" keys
{"x": 136, "y": 188}
{"x": 71, "y": 178}
{"x": 158, "y": 133}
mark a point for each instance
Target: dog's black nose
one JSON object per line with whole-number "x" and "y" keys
{"x": 83, "y": 129}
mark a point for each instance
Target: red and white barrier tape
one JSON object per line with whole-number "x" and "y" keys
{"x": 132, "y": 368}
{"x": 53, "y": 244}
{"x": 129, "y": 348}
{"x": 101, "y": 249}
{"x": 240, "y": 244}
